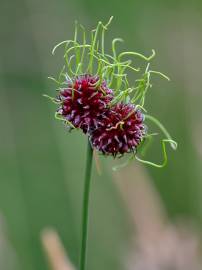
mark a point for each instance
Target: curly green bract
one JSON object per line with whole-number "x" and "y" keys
{"x": 86, "y": 55}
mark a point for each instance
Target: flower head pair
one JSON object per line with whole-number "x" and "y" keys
{"x": 96, "y": 95}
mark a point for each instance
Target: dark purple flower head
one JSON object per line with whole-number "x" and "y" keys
{"x": 84, "y": 100}
{"x": 120, "y": 131}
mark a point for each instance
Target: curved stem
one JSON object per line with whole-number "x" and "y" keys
{"x": 85, "y": 209}
{"x": 162, "y": 128}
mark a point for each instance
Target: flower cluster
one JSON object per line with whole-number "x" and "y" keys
{"x": 86, "y": 104}
{"x": 83, "y": 101}
{"x": 121, "y": 130}
{"x": 96, "y": 95}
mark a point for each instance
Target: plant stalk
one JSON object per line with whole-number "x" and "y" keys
{"x": 85, "y": 206}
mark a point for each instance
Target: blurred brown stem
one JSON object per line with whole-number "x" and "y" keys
{"x": 55, "y": 252}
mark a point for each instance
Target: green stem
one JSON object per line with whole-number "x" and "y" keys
{"x": 163, "y": 129}
{"x": 86, "y": 195}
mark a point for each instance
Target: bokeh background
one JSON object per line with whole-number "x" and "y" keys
{"x": 140, "y": 218}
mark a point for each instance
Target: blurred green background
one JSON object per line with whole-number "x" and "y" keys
{"x": 42, "y": 166}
